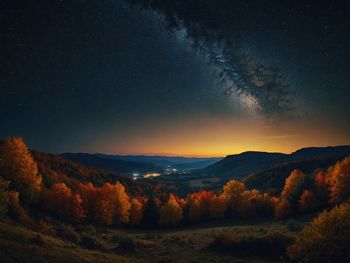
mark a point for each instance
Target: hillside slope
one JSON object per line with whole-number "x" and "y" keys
{"x": 56, "y": 169}
{"x": 241, "y": 165}
{"x": 114, "y": 165}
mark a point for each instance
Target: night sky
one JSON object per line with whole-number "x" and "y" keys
{"x": 224, "y": 77}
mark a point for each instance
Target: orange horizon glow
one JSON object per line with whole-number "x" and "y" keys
{"x": 217, "y": 137}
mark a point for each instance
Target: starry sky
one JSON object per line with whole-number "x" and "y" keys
{"x": 192, "y": 78}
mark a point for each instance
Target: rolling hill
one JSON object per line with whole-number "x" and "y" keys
{"x": 111, "y": 164}
{"x": 239, "y": 166}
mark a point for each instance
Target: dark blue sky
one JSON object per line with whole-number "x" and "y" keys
{"x": 101, "y": 76}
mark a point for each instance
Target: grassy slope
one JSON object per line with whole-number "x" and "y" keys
{"x": 190, "y": 244}
{"x": 18, "y": 244}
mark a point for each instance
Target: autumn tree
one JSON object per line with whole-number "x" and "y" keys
{"x": 18, "y": 166}
{"x": 151, "y": 212}
{"x": 107, "y": 205}
{"x": 60, "y": 200}
{"x": 15, "y": 210}
{"x": 4, "y": 198}
{"x": 136, "y": 212}
{"x": 339, "y": 180}
{"x": 233, "y": 191}
{"x": 294, "y": 187}
{"x": 321, "y": 187}
{"x": 326, "y": 239}
{"x": 308, "y": 201}
{"x": 170, "y": 214}
{"x": 217, "y": 207}
{"x": 198, "y": 205}
{"x": 283, "y": 209}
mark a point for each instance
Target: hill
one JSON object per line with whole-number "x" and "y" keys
{"x": 178, "y": 162}
{"x": 111, "y": 164}
{"x": 56, "y": 169}
{"x": 241, "y": 165}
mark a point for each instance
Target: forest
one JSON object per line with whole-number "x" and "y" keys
{"x": 30, "y": 196}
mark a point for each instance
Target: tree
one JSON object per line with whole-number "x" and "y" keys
{"x": 198, "y": 205}
{"x": 170, "y": 214}
{"x": 61, "y": 201}
{"x": 136, "y": 212}
{"x": 339, "y": 181}
{"x": 4, "y": 198}
{"x": 151, "y": 213}
{"x": 326, "y": 239}
{"x": 195, "y": 211}
{"x": 283, "y": 208}
{"x": 294, "y": 186}
{"x": 18, "y": 166}
{"x": 15, "y": 209}
{"x": 321, "y": 187}
{"x": 308, "y": 202}
{"x": 107, "y": 205}
{"x": 233, "y": 191}
{"x": 218, "y": 207}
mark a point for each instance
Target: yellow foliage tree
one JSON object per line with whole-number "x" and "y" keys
{"x": 170, "y": 214}
{"x": 136, "y": 212}
{"x": 293, "y": 186}
{"x": 326, "y": 239}
{"x": 233, "y": 191}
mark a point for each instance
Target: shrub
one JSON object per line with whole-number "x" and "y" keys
{"x": 272, "y": 246}
{"x": 293, "y": 225}
{"x": 46, "y": 228}
{"x": 326, "y": 239}
{"x": 127, "y": 244}
{"x": 67, "y": 232}
{"x": 90, "y": 242}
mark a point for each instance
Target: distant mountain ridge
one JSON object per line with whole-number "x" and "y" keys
{"x": 164, "y": 161}
{"x": 127, "y": 164}
{"x": 113, "y": 165}
{"x": 241, "y": 165}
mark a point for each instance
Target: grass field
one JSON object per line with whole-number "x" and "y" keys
{"x": 190, "y": 244}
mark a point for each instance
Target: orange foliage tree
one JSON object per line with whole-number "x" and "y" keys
{"x": 339, "y": 180}
{"x": 218, "y": 207}
{"x": 61, "y": 201}
{"x": 321, "y": 187}
{"x": 283, "y": 209}
{"x": 308, "y": 201}
{"x": 4, "y": 197}
{"x": 198, "y": 205}
{"x": 18, "y": 166}
{"x": 108, "y": 205}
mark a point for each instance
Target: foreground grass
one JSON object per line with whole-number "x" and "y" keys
{"x": 190, "y": 244}
{"x": 18, "y": 244}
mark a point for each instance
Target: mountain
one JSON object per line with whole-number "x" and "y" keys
{"x": 165, "y": 161}
{"x": 56, "y": 169}
{"x": 241, "y": 165}
{"x": 111, "y": 164}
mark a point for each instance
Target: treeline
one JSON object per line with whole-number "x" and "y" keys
{"x": 22, "y": 188}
